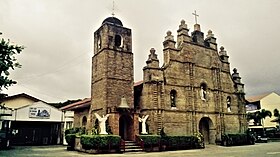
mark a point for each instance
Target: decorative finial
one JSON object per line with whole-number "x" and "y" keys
{"x": 235, "y": 70}
{"x": 183, "y": 22}
{"x": 152, "y": 51}
{"x": 195, "y": 16}
{"x": 168, "y": 33}
{"x": 210, "y": 34}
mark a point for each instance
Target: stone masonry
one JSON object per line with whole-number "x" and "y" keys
{"x": 193, "y": 91}
{"x": 190, "y": 65}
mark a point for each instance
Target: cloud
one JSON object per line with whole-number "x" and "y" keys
{"x": 58, "y": 36}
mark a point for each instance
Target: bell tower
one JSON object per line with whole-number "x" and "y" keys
{"x": 112, "y": 70}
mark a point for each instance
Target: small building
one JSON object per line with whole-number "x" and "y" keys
{"x": 80, "y": 109}
{"x": 32, "y": 121}
{"x": 75, "y": 115}
{"x": 268, "y": 101}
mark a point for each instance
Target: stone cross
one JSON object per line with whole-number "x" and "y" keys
{"x": 143, "y": 121}
{"x": 195, "y": 16}
{"x": 102, "y": 124}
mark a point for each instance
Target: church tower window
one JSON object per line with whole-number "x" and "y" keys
{"x": 118, "y": 41}
{"x": 173, "y": 95}
{"x": 229, "y": 104}
{"x": 203, "y": 93}
{"x": 99, "y": 42}
{"x": 84, "y": 121}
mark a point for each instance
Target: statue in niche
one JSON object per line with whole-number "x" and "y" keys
{"x": 228, "y": 104}
{"x": 203, "y": 93}
{"x": 102, "y": 124}
{"x": 143, "y": 121}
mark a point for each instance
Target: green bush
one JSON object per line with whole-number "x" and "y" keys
{"x": 237, "y": 139}
{"x": 70, "y": 139}
{"x": 180, "y": 142}
{"x": 78, "y": 130}
{"x": 100, "y": 141}
{"x": 150, "y": 140}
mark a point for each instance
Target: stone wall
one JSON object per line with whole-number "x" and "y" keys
{"x": 186, "y": 69}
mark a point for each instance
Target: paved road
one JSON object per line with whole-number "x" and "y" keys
{"x": 258, "y": 150}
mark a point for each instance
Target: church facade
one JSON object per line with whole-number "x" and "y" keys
{"x": 193, "y": 91}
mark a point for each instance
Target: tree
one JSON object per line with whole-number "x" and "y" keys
{"x": 277, "y": 115}
{"x": 262, "y": 115}
{"x": 8, "y": 62}
{"x": 253, "y": 116}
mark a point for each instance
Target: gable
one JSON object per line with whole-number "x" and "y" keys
{"x": 38, "y": 111}
{"x": 18, "y": 100}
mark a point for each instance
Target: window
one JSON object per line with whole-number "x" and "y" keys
{"x": 118, "y": 41}
{"x": 99, "y": 43}
{"x": 84, "y": 121}
{"x": 203, "y": 93}
{"x": 229, "y": 104}
{"x": 173, "y": 94}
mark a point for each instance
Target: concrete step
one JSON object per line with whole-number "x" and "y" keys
{"x": 131, "y": 146}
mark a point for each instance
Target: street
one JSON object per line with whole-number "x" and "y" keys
{"x": 259, "y": 150}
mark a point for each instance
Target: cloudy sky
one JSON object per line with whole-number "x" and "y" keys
{"x": 58, "y": 36}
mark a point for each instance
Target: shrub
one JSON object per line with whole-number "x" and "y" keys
{"x": 100, "y": 141}
{"x": 237, "y": 139}
{"x": 70, "y": 139}
{"x": 150, "y": 140}
{"x": 180, "y": 142}
{"x": 78, "y": 130}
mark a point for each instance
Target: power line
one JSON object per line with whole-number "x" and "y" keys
{"x": 41, "y": 93}
{"x": 61, "y": 67}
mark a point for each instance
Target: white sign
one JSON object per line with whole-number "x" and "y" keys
{"x": 39, "y": 112}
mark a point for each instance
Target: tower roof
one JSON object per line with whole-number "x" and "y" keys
{"x": 113, "y": 20}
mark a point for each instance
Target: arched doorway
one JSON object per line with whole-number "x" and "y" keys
{"x": 205, "y": 128}
{"x": 126, "y": 127}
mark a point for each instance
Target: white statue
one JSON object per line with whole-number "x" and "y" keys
{"x": 228, "y": 104}
{"x": 143, "y": 121}
{"x": 202, "y": 94}
{"x": 102, "y": 124}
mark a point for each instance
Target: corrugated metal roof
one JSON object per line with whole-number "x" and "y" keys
{"x": 257, "y": 97}
{"x": 80, "y": 104}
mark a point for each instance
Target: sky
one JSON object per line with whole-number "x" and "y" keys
{"x": 58, "y": 39}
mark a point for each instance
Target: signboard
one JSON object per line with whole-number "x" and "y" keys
{"x": 39, "y": 112}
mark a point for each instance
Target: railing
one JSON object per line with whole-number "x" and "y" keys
{"x": 122, "y": 145}
{"x": 139, "y": 141}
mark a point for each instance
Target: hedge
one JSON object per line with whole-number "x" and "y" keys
{"x": 100, "y": 141}
{"x": 171, "y": 142}
{"x": 70, "y": 139}
{"x": 150, "y": 139}
{"x": 237, "y": 139}
{"x": 80, "y": 131}
{"x": 180, "y": 142}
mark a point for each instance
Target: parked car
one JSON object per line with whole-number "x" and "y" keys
{"x": 4, "y": 139}
{"x": 261, "y": 139}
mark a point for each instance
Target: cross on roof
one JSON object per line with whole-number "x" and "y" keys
{"x": 113, "y": 9}
{"x": 195, "y": 16}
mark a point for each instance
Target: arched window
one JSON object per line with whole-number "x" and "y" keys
{"x": 98, "y": 42}
{"x": 203, "y": 93}
{"x": 173, "y": 95}
{"x": 118, "y": 41}
{"x": 229, "y": 104}
{"x": 84, "y": 121}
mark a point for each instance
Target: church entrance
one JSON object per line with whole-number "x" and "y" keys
{"x": 205, "y": 128}
{"x": 126, "y": 127}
